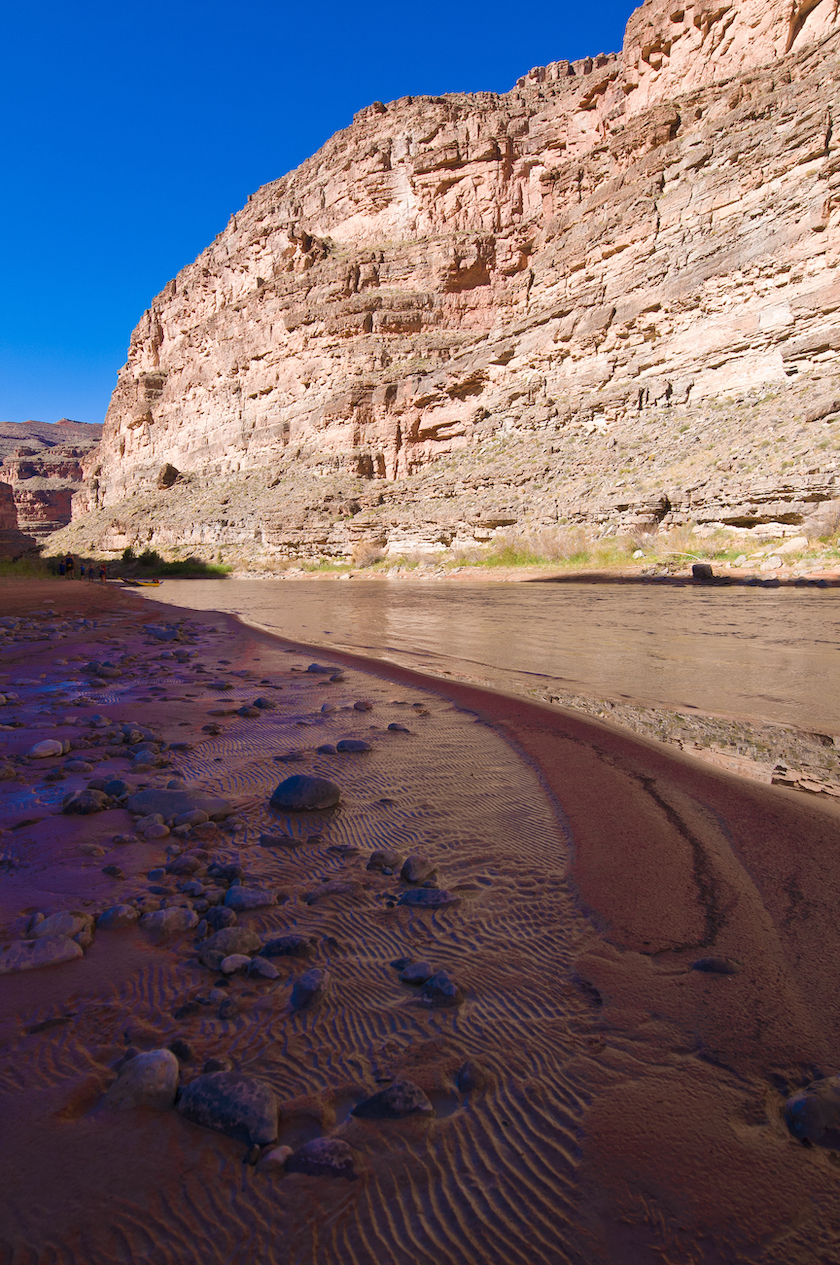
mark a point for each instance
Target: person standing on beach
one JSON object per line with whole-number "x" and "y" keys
{"x": 81, "y": 570}
{"x": 70, "y": 563}
{"x": 103, "y": 573}
{"x": 61, "y": 568}
{"x": 91, "y": 575}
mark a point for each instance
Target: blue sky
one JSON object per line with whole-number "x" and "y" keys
{"x": 130, "y": 132}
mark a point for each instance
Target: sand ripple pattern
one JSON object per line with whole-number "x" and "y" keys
{"x": 493, "y": 1176}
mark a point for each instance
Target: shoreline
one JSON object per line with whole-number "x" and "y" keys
{"x": 610, "y": 861}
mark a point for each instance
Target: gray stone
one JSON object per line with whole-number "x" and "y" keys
{"x": 241, "y": 1106}
{"x": 234, "y": 963}
{"x": 292, "y": 946}
{"x": 261, "y": 968}
{"x": 815, "y": 1111}
{"x": 85, "y": 802}
{"x": 116, "y": 917}
{"x": 309, "y": 988}
{"x": 353, "y": 744}
{"x": 417, "y": 868}
{"x": 469, "y": 1077}
{"x": 147, "y": 1080}
{"x": 416, "y": 973}
{"x": 225, "y": 942}
{"x": 241, "y": 898}
{"x": 323, "y": 1157}
{"x": 165, "y": 922}
{"x": 321, "y": 669}
{"x": 29, "y": 955}
{"x": 401, "y": 1099}
{"x": 428, "y": 898}
{"x": 220, "y": 917}
{"x": 399, "y": 729}
{"x": 384, "y": 859}
{"x": 440, "y": 992}
{"x": 302, "y": 793}
{"x": 265, "y": 704}
{"x": 65, "y": 923}
{"x": 171, "y": 804}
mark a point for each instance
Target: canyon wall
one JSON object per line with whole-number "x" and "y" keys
{"x": 40, "y": 472}
{"x": 485, "y": 309}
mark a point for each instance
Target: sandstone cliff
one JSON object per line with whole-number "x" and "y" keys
{"x": 474, "y": 310}
{"x": 40, "y": 471}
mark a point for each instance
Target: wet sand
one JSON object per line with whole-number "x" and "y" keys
{"x": 626, "y": 1108}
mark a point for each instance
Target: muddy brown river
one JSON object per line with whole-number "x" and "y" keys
{"x": 748, "y": 653}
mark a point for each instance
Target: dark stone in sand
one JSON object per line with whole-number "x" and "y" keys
{"x": 326, "y": 748}
{"x": 384, "y": 859}
{"x": 173, "y": 803}
{"x": 363, "y": 706}
{"x": 116, "y": 917}
{"x": 241, "y": 1106}
{"x": 309, "y": 988}
{"x": 113, "y": 871}
{"x": 401, "y": 1099}
{"x": 225, "y": 942}
{"x": 469, "y": 1077}
{"x": 439, "y": 991}
{"x": 353, "y": 744}
{"x": 337, "y": 678}
{"x": 186, "y": 1010}
{"x": 428, "y": 898}
{"x": 217, "y": 1065}
{"x": 225, "y": 873}
{"x": 301, "y": 793}
{"x": 279, "y": 841}
{"x": 266, "y": 704}
{"x": 323, "y": 1157}
{"x": 416, "y": 973}
{"x": 291, "y": 946}
{"x": 399, "y": 729}
{"x": 229, "y": 1008}
{"x": 183, "y": 865}
{"x": 417, "y": 868}
{"x": 814, "y": 1111}
{"x": 250, "y": 712}
{"x": 182, "y": 1050}
{"x": 89, "y": 801}
{"x": 219, "y": 916}
{"x": 321, "y": 669}
{"x": 116, "y": 788}
{"x": 716, "y": 966}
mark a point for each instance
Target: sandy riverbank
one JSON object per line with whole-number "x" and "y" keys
{"x": 624, "y": 1107}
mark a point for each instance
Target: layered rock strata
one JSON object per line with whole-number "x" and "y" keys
{"x": 40, "y": 471}
{"x": 549, "y": 276}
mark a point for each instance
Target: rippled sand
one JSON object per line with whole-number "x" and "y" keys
{"x": 630, "y": 1107}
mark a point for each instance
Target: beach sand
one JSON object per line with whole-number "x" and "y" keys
{"x": 620, "y": 1107}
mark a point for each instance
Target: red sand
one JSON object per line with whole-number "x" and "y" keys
{"x": 633, "y": 1106}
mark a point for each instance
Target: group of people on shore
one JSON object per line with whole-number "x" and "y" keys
{"x": 67, "y": 570}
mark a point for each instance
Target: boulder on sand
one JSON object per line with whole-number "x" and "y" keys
{"x": 170, "y": 804}
{"x": 302, "y": 793}
{"x": 241, "y": 1106}
{"x": 147, "y": 1080}
{"x": 401, "y": 1099}
{"x": 28, "y": 955}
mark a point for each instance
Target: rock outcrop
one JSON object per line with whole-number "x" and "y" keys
{"x": 475, "y": 310}
{"x": 40, "y": 471}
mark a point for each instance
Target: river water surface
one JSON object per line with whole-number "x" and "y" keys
{"x": 749, "y": 653}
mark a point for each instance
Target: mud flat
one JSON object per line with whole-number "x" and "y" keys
{"x": 561, "y": 1083}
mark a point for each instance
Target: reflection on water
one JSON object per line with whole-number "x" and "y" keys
{"x": 768, "y": 654}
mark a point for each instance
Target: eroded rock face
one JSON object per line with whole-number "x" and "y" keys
{"x": 41, "y": 464}
{"x": 612, "y": 239}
